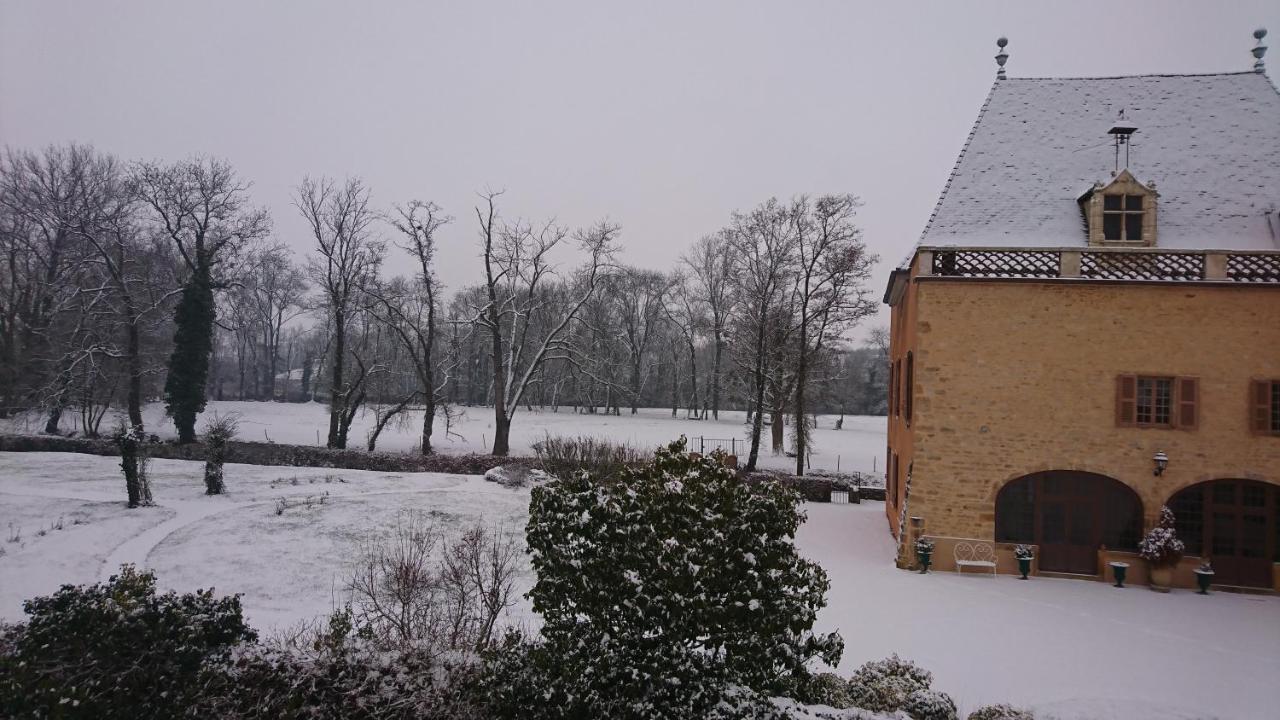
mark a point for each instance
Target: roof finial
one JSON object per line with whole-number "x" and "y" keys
{"x": 1259, "y": 50}
{"x": 1003, "y": 57}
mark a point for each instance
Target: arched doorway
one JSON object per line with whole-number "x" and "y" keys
{"x": 1232, "y": 523}
{"x": 1069, "y": 514}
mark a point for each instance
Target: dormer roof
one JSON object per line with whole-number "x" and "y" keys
{"x": 1210, "y": 143}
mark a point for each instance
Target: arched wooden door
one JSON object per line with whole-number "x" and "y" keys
{"x": 1070, "y": 515}
{"x": 1234, "y": 524}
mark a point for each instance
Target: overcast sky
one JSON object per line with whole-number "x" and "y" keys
{"x": 664, "y": 117}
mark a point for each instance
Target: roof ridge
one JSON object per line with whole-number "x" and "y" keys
{"x": 956, "y": 167}
{"x": 1140, "y": 75}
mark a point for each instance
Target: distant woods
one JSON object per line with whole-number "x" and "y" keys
{"x": 126, "y": 283}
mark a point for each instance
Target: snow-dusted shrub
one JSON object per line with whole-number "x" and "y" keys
{"x": 1161, "y": 546}
{"x": 351, "y": 680}
{"x": 1022, "y": 552}
{"x": 602, "y": 458}
{"x": 662, "y": 589}
{"x": 516, "y": 475}
{"x": 885, "y": 685}
{"x": 1000, "y": 712}
{"x": 826, "y": 689}
{"x": 217, "y": 433}
{"x": 930, "y": 705}
{"x": 115, "y": 650}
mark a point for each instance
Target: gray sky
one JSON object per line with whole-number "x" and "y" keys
{"x": 662, "y": 116}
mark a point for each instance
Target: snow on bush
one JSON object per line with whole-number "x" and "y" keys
{"x": 515, "y": 475}
{"x": 1000, "y": 712}
{"x": 666, "y": 586}
{"x": 115, "y": 650}
{"x": 885, "y": 685}
{"x": 1161, "y": 546}
{"x": 602, "y": 458}
{"x": 930, "y": 705}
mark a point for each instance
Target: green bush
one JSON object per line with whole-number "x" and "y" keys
{"x": 1000, "y": 712}
{"x": 661, "y": 591}
{"x": 115, "y": 650}
{"x": 930, "y": 705}
{"x": 885, "y": 685}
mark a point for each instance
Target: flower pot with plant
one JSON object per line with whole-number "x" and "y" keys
{"x": 1024, "y": 555}
{"x": 1162, "y": 549}
{"x": 924, "y": 553}
{"x": 1204, "y": 577}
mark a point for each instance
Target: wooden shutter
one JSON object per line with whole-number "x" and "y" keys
{"x": 910, "y": 385}
{"x": 1260, "y": 406}
{"x": 1126, "y": 400}
{"x": 893, "y": 380}
{"x": 1188, "y": 395}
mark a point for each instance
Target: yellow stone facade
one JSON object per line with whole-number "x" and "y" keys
{"x": 1012, "y": 377}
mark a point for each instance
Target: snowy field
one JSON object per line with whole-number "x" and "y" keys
{"x": 1073, "y": 649}
{"x": 859, "y": 446}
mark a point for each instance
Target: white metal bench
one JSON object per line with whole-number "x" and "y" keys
{"x": 976, "y": 555}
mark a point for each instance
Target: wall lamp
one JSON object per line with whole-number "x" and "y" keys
{"x": 1161, "y": 460}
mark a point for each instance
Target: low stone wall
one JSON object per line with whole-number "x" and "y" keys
{"x": 257, "y": 453}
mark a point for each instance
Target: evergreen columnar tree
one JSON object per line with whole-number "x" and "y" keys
{"x": 202, "y": 206}
{"x": 675, "y": 570}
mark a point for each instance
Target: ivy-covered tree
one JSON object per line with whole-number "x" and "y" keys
{"x": 202, "y": 206}
{"x": 664, "y": 588}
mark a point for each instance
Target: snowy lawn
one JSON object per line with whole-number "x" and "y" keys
{"x": 859, "y": 446}
{"x": 1073, "y": 649}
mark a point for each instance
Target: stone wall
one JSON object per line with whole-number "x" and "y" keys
{"x": 1015, "y": 377}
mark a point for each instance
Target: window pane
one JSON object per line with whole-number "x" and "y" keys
{"x": 1111, "y": 226}
{"x": 1144, "y": 401}
{"x": 1164, "y": 401}
{"x": 1253, "y": 543}
{"x": 1188, "y": 514}
{"x": 1132, "y": 202}
{"x": 1112, "y": 202}
{"x": 1224, "y": 493}
{"x": 1224, "y": 534}
{"x": 1133, "y": 226}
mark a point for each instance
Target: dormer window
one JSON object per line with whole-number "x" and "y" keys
{"x": 1122, "y": 212}
{"x": 1122, "y": 218}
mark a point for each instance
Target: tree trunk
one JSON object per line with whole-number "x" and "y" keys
{"x": 337, "y": 396}
{"x": 134, "y": 343}
{"x": 757, "y": 421}
{"x": 501, "y": 430}
{"x": 715, "y": 377}
{"x": 778, "y": 431}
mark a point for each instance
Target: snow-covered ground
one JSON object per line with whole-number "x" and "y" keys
{"x": 859, "y": 446}
{"x": 1071, "y": 648}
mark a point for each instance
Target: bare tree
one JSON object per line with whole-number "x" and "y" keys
{"x": 525, "y": 328}
{"x": 687, "y": 317}
{"x": 202, "y": 207}
{"x": 639, "y": 296}
{"x": 763, "y": 244}
{"x": 710, "y": 262}
{"x": 341, "y": 222}
{"x": 411, "y": 311}
{"x": 829, "y": 292}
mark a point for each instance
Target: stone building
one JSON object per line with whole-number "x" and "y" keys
{"x": 1089, "y": 329}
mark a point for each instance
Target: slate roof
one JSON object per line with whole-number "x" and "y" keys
{"x": 1209, "y": 143}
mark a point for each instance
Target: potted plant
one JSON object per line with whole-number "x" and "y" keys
{"x": 1162, "y": 549}
{"x": 1023, "y": 554}
{"x": 924, "y": 553}
{"x": 1204, "y": 577}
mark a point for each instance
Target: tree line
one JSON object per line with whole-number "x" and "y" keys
{"x": 128, "y": 282}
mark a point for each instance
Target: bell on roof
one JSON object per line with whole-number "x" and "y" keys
{"x": 1121, "y": 130}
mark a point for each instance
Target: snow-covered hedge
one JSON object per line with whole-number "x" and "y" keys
{"x": 1000, "y": 712}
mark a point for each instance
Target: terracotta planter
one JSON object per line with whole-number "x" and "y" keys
{"x": 1161, "y": 577}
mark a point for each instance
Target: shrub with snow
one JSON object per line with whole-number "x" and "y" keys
{"x": 1161, "y": 546}
{"x": 1022, "y": 552}
{"x": 115, "y": 650}
{"x": 516, "y": 475}
{"x": 1000, "y": 712}
{"x": 662, "y": 589}
{"x": 885, "y": 685}
{"x": 930, "y": 705}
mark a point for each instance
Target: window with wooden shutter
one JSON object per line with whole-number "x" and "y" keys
{"x": 1188, "y": 403}
{"x": 1264, "y": 407}
{"x": 1126, "y": 400}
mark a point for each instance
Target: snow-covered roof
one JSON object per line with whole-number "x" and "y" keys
{"x": 1210, "y": 144}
